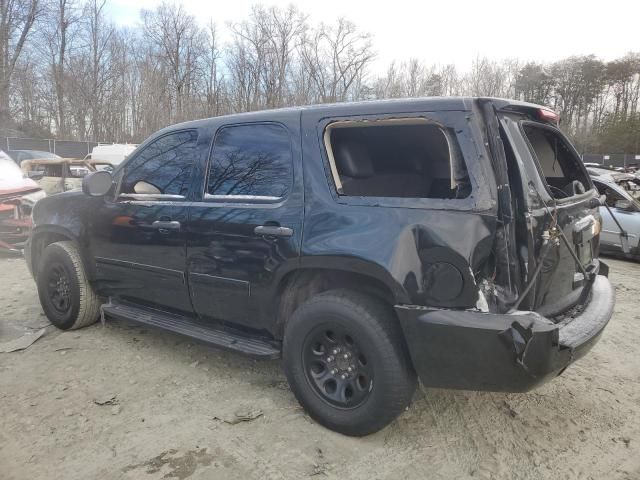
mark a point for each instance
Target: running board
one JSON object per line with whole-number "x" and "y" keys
{"x": 210, "y": 334}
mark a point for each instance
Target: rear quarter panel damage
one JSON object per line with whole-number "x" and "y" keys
{"x": 428, "y": 256}
{"x": 429, "y": 252}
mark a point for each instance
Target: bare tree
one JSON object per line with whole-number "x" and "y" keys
{"x": 17, "y": 18}
{"x": 76, "y": 75}
{"x": 335, "y": 58}
{"x": 58, "y": 34}
{"x": 100, "y": 34}
{"x": 214, "y": 85}
{"x": 534, "y": 83}
{"x": 178, "y": 43}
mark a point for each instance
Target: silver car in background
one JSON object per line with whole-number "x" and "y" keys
{"x": 629, "y": 181}
{"x": 626, "y": 210}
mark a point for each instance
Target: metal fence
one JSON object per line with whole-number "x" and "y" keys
{"x": 64, "y": 148}
{"x": 612, "y": 159}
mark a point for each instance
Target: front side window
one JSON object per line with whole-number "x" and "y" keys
{"x": 410, "y": 158}
{"x": 163, "y": 167}
{"x": 251, "y": 160}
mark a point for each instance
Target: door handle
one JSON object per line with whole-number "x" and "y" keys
{"x": 166, "y": 225}
{"x": 273, "y": 230}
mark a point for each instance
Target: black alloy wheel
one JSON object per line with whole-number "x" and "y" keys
{"x": 336, "y": 367}
{"x": 66, "y": 295}
{"x": 59, "y": 288}
{"x": 346, "y": 361}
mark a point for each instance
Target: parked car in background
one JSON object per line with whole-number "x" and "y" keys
{"x": 18, "y": 195}
{"x": 20, "y": 155}
{"x": 114, "y": 154}
{"x": 62, "y": 174}
{"x": 630, "y": 182}
{"x": 627, "y": 213}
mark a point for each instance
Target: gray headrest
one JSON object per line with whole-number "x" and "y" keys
{"x": 353, "y": 160}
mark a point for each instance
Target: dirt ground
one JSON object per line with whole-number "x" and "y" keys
{"x": 165, "y": 401}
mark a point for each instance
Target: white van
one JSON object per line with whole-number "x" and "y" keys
{"x": 114, "y": 153}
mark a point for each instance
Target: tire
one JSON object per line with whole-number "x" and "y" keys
{"x": 65, "y": 294}
{"x": 367, "y": 337}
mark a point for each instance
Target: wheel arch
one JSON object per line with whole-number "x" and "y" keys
{"x": 298, "y": 285}
{"x": 42, "y": 237}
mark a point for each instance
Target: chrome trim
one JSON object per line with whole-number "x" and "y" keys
{"x": 215, "y": 279}
{"x": 150, "y": 196}
{"x": 208, "y": 196}
{"x": 140, "y": 266}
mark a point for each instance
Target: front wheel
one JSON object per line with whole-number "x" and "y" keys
{"x": 346, "y": 361}
{"x": 65, "y": 294}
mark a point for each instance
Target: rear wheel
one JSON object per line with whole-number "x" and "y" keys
{"x": 65, "y": 294}
{"x": 346, "y": 361}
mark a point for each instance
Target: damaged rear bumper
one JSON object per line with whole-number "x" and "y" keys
{"x": 501, "y": 352}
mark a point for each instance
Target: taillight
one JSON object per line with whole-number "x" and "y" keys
{"x": 547, "y": 115}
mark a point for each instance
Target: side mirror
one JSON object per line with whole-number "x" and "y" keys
{"x": 623, "y": 204}
{"x": 97, "y": 184}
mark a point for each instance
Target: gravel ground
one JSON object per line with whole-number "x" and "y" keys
{"x": 123, "y": 402}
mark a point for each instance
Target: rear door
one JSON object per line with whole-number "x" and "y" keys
{"x": 244, "y": 232}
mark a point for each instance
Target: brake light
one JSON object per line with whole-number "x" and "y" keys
{"x": 547, "y": 115}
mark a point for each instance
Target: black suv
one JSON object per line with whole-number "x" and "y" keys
{"x": 362, "y": 242}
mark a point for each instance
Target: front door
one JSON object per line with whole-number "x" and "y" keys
{"x": 138, "y": 238}
{"x": 245, "y": 231}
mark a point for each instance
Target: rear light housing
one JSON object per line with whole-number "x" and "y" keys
{"x": 547, "y": 115}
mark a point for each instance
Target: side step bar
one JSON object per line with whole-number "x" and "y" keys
{"x": 210, "y": 334}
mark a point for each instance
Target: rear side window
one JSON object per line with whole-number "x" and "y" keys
{"x": 559, "y": 165}
{"x": 165, "y": 164}
{"x": 406, "y": 159}
{"x": 251, "y": 160}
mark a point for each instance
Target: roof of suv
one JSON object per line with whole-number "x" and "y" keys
{"x": 433, "y": 104}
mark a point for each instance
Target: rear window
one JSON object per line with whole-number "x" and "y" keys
{"x": 559, "y": 165}
{"x": 396, "y": 158}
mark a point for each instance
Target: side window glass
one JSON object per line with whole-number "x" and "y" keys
{"x": 413, "y": 159}
{"x": 251, "y": 160}
{"x": 164, "y": 167}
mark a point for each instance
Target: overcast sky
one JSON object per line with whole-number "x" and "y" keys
{"x": 451, "y": 31}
